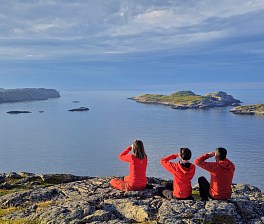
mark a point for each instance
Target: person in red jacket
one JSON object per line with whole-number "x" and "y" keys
{"x": 182, "y": 172}
{"x": 136, "y": 180}
{"x": 221, "y": 171}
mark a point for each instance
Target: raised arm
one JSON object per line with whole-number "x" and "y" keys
{"x": 165, "y": 162}
{"x": 124, "y": 156}
{"x": 200, "y": 161}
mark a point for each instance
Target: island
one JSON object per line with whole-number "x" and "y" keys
{"x": 27, "y": 94}
{"x": 18, "y": 112}
{"x": 254, "y": 109}
{"x": 79, "y": 109}
{"x": 189, "y": 100}
{"x": 65, "y": 198}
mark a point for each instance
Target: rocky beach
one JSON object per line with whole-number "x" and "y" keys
{"x": 64, "y": 198}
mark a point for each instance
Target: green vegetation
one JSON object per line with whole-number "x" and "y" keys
{"x": 6, "y": 211}
{"x": 20, "y": 221}
{"x": 196, "y": 195}
{"x": 255, "y": 108}
{"x": 182, "y": 97}
{"x": 44, "y": 205}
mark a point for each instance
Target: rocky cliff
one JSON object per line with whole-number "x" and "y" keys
{"x": 27, "y": 94}
{"x": 62, "y": 198}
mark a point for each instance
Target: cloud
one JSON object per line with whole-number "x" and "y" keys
{"x": 116, "y": 27}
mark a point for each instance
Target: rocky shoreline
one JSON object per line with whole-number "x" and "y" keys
{"x": 65, "y": 198}
{"x": 189, "y": 100}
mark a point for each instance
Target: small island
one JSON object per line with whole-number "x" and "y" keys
{"x": 18, "y": 112}
{"x": 79, "y": 109}
{"x": 189, "y": 100}
{"x": 27, "y": 94}
{"x": 254, "y": 109}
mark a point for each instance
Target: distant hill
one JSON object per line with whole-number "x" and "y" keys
{"x": 189, "y": 100}
{"x": 27, "y": 94}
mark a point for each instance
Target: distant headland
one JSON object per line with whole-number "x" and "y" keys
{"x": 27, "y": 94}
{"x": 189, "y": 100}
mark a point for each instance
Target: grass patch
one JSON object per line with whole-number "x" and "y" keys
{"x": 6, "y": 211}
{"x": 196, "y": 195}
{"x": 45, "y": 204}
{"x": 182, "y": 97}
{"x": 5, "y": 192}
{"x": 20, "y": 221}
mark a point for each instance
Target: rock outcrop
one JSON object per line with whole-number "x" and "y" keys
{"x": 189, "y": 100}
{"x": 27, "y": 94}
{"x": 255, "y": 109}
{"x": 62, "y": 198}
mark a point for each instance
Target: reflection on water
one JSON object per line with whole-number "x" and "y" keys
{"x": 88, "y": 143}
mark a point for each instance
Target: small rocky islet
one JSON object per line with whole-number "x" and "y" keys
{"x": 254, "y": 109}
{"x": 189, "y": 100}
{"x": 65, "y": 198}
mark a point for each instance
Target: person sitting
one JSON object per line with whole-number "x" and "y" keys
{"x": 183, "y": 172}
{"x": 136, "y": 180}
{"x": 221, "y": 171}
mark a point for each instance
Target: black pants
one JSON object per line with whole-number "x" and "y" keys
{"x": 167, "y": 192}
{"x": 204, "y": 187}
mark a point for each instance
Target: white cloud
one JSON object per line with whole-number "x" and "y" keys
{"x": 124, "y": 26}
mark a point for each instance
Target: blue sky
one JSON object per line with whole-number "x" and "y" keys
{"x": 132, "y": 44}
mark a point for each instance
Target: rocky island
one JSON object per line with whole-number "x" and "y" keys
{"x": 79, "y": 109}
{"x": 255, "y": 109}
{"x": 64, "y": 198}
{"x": 27, "y": 94}
{"x": 189, "y": 100}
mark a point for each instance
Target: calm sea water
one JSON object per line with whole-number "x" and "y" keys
{"x": 88, "y": 143}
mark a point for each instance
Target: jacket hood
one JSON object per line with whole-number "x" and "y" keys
{"x": 185, "y": 170}
{"x": 226, "y": 164}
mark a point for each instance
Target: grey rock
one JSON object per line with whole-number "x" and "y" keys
{"x": 13, "y": 175}
{"x": 92, "y": 200}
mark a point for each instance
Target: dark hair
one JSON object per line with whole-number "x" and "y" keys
{"x": 221, "y": 153}
{"x": 185, "y": 153}
{"x": 138, "y": 149}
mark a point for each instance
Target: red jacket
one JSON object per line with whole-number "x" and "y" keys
{"x": 182, "y": 187}
{"x": 137, "y": 168}
{"x": 221, "y": 172}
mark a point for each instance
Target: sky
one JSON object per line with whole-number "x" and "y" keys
{"x": 132, "y": 44}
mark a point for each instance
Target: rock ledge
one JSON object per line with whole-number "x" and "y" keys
{"x": 65, "y": 198}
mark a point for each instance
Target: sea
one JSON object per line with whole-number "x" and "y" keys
{"x": 53, "y": 140}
